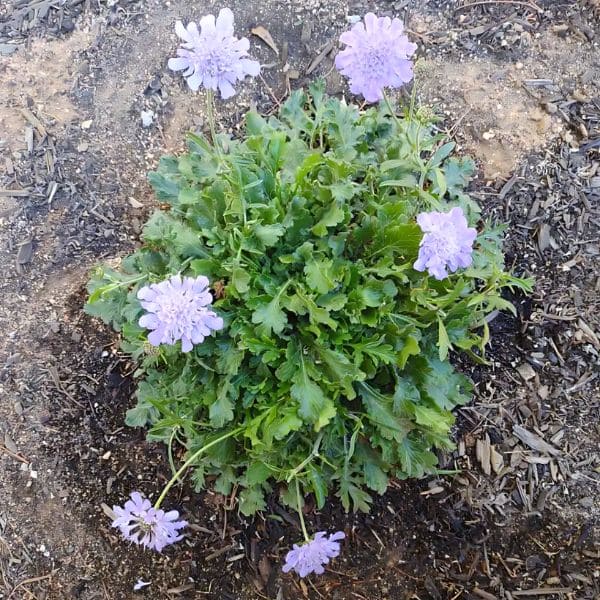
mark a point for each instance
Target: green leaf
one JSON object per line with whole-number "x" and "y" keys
{"x": 350, "y": 494}
{"x": 380, "y": 413}
{"x": 374, "y": 293}
{"x": 405, "y": 391}
{"x": 444, "y": 344}
{"x": 257, "y": 472}
{"x": 398, "y": 240}
{"x": 441, "y": 383}
{"x": 268, "y": 234}
{"x": 439, "y": 181}
{"x": 458, "y": 172}
{"x": 221, "y": 411}
{"x": 162, "y": 180}
{"x": 407, "y": 181}
{"x": 316, "y": 314}
{"x": 377, "y": 349}
{"x": 438, "y": 421}
{"x": 270, "y": 317}
{"x": 315, "y": 407}
{"x": 240, "y": 279}
{"x": 375, "y": 478}
{"x": 282, "y": 425}
{"x": 292, "y": 112}
{"x": 318, "y": 485}
{"x": 320, "y": 276}
{"x": 341, "y": 369}
{"x": 255, "y": 124}
{"x": 342, "y": 191}
{"x": 415, "y": 458}
{"x": 141, "y": 415}
{"x": 411, "y": 348}
{"x": 225, "y": 481}
{"x": 441, "y": 153}
{"x": 252, "y": 499}
{"x": 331, "y": 217}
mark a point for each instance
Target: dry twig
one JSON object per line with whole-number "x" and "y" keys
{"x": 487, "y": 2}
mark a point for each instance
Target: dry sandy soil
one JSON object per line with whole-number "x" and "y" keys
{"x": 518, "y": 85}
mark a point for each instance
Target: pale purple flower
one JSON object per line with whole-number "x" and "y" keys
{"x": 311, "y": 556}
{"x": 177, "y": 309}
{"x": 376, "y": 56}
{"x": 213, "y": 57}
{"x": 447, "y": 244}
{"x": 141, "y": 523}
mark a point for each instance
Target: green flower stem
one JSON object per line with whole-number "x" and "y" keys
{"x": 114, "y": 285}
{"x": 413, "y": 98}
{"x": 210, "y": 113}
{"x": 299, "y": 501}
{"x": 190, "y": 460}
{"x": 313, "y": 453}
{"x": 391, "y": 110}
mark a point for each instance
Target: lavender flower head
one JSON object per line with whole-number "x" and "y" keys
{"x": 447, "y": 244}
{"x": 311, "y": 556}
{"x": 141, "y": 523}
{"x": 213, "y": 57}
{"x": 376, "y": 56}
{"x": 177, "y": 309}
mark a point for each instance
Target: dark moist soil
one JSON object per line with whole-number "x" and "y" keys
{"x": 521, "y": 515}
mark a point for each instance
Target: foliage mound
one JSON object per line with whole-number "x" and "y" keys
{"x": 332, "y": 369}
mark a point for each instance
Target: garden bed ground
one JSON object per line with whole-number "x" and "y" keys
{"x": 519, "y": 89}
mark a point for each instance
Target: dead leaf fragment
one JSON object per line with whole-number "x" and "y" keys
{"x": 588, "y": 332}
{"x": 263, "y": 33}
{"x": 482, "y": 451}
{"x": 534, "y": 441}
{"x": 25, "y": 252}
{"x": 264, "y": 568}
{"x": 135, "y": 203}
{"x": 496, "y": 460}
{"x": 544, "y": 239}
{"x": 10, "y": 445}
{"x": 526, "y": 371}
{"x": 108, "y": 511}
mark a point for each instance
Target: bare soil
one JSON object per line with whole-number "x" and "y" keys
{"x": 519, "y": 89}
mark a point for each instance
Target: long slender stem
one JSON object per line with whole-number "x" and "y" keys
{"x": 299, "y": 501}
{"x": 314, "y": 452}
{"x": 210, "y": 113}
{"x": 189, "y": 461}
{"x": 389, "y": 106}
{"x": 413, "y": 98}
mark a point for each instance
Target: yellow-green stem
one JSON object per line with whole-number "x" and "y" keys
{"x": 390, "y": 109}
{"x": 210, "y": 113}
{"x": 299, "y": 500}
{"x": 189, "y": 461}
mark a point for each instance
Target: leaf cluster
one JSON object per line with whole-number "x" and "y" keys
{"x": 334, "y": 355}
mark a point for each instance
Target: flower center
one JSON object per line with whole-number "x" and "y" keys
{"x": 374, "y": 61}
{"x": 180, "y": 311}
{"x": 212, "y": 61}
{"x": 142, "y": 525}
{"x": 443, "y": 244}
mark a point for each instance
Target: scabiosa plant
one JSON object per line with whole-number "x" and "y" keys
{"x": 148, "y": 526}
{"x": 333, "y": 369}
{"x": 213, "y": 57}
{"x": 377, "y": 55}
{"x": 447, "y": 243}
{"x": 310, "y": 557}
{"x": 177, "y": 309}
